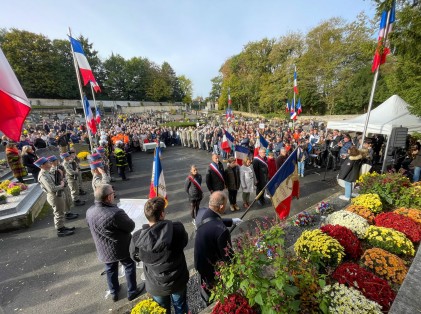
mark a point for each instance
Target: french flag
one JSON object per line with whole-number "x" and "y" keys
{"x": 14, "y": 104}
{"x": 295, "y": 81}
{"x": 287, "y": 107}
{"x": 98, "y": 116}
{"x": 260, "y": 142}
{"x": 227, "y": 142}
{"x": 293, "y": 113}
{"x": 83, "y": 64}
{"x": 284, "y": 185}
{"x": 89, "y": 116}
{"x": 241, "y": 152}
{"x": 158, "y": 187}
{"x": 299, "y": 110}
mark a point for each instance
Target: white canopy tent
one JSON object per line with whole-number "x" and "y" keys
{"x": 392, "y": 113}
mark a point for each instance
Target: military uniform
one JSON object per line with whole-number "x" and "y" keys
{"x": 72, "y": 180}
{"x": 98, "y": 179}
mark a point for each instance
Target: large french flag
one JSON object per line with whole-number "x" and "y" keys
{"x": 295, "y": 81}
{"x": 158, "y": 187}
{"x": 299, "y": 109}
{"x": 98, "y": 116}
{"x": 14, "y": 104}
{"x": 284, "y": 185}
{"x": 89, "y": 116}
{"x": 241, "y": 152}
{"x": 260, "y": 142}
{"x": 83, "y": 64}
{"x": 227, "y": 141}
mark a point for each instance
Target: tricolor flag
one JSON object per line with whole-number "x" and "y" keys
{"x": 158, "y": 187}
{"x": 299, "y": 110}
{"x": 241, "y": 152}
{"x": 383, "y": 49}
{"x": 90, "y": 121}
{"x": 287, "y": 106}
{"x": 284, "y": 185}
{"x": 228, "y": 114}
{"x": 295, "y": 81}
{"x": 14, "y": 104}
{"x": 227, "y": 141}
{"x": 260, "y": 142}
{"x": 98, "y": 116}
{"x": 293, "y": 113}
{"x": 83, "y": 64}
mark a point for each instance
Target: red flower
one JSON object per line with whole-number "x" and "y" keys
{"x": 371, "y": 286}
{"x": 400, "y": 223}
{"x": 346, "y": 238}
{"x": 233, "y": 304}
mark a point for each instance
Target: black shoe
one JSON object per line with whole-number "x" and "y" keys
{"x": 114, "y": 297}
{"x": 138, "y": 292}
{"x": 62, "y": 232}
{"x": 82, "y": 192}
{"x": 79, "y": 203}
{"x": 70, "y": 229}
{"x": 70, "y": 216}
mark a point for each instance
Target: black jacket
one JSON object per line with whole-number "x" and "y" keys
{"x": 111, "y": 229}
{"x": 213, "y": 181}
{"x": 192, "y": 190}
{"x": 160, "y": 248}
{"x": 350, "y": 169}
{"x": 232, "y": 177}
{"x": 28, "y": 161}
{"x": 211, "y": 244}
{"x": 261, "y": 172}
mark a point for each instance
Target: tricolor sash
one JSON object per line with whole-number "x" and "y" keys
{"x": 216, "y": 170}
{"x": 193, "y": 180}
{"x": 261, "y": 160}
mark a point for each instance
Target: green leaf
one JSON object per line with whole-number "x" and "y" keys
{"x": 258, "y": 299}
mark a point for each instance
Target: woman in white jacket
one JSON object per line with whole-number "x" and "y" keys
{"x": 247, "y": 181}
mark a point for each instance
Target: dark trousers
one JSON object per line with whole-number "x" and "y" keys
{"x": 129, "y": 161}
{"x": 232, "y": 196}
{"x": 259, "y": 188}
{"x": 111, "y": 269}
{"x": 194, "y": 204}
{"x": 122, "y": 172}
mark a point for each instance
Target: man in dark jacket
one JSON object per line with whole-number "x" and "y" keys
{"x": 193, "y": 188}
{"x": 215, "y": 180}
{"x": 213, "y": 240}
{"x": 111, "y": 229}
{"x": 159, "y": 245}
{"x": 350, "y": 171}
{"x": 261, "y": 172}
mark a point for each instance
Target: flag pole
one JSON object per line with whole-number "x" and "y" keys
{"x": 93, "y": 97}
{"x": 81, "y": 93}
{"x": 373, "y": 88}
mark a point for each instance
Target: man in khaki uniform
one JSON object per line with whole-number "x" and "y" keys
{"x": 55, "y": 196}
{"x": 99, "y": 176}
{"x": 72, "y": 179}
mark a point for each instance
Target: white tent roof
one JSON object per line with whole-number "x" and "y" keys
{"x": 392, "y": 113}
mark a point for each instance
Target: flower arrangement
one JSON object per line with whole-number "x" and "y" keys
{"x": 83, "y": 155}
{"x": 346, "y": 238}
{"x": 357, "y": 224}
{"x": 303, "y": 219}
{"x": 400, "y": 223}
{"x": 370, "y": 201}
{"x": 362, "y": 211}
{"x": 371, "y": 286}
{"x": 22, "y": 186}
{"x": 324, "y": 208}
{"x": 414, "y": 214}
{"x": 319, "y": 247}
{"x": 14, "y": 191}
{"x": 5, "y": 184}
{"x": 148, "y": 306}
{"x": 390, "y": 240}
{"x": 233, "y": 304}
{"x": 385, "y": 265}
{"x": 347, "y": 300}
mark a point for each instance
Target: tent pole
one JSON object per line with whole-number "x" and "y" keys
{"x": 385, "y": 154}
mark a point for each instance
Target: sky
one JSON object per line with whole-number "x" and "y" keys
{"x": 194, "y": 36}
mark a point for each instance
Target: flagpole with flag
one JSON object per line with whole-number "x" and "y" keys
{"x": 157, "y": 187}
{"x": 80, "y": 91}
{"x": 379, "y": 58}
{"x": 96, "y": 109}
{"x": 13, "y": 101}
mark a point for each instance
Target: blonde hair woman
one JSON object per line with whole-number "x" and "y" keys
{"x": 247, "y": 181}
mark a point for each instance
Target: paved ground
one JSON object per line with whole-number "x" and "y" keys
{"x": 41, "y": 273}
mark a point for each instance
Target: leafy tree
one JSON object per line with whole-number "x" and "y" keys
{"x": 186, "y": 88}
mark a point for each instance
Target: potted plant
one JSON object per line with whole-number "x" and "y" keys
{"x": 3, "y": 199}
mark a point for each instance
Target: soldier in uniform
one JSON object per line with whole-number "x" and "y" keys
{"x": 72, "y": 179}
{"x": 105, "y": 161}
{"x": 215, "y": 180}
{"x": 75, "y": 164}
{"x": 55, "y": 196}
{"x": 261, "y": 172}
{"x": 99, "y": 176}
{"x": 59, "y": 175}
{"x": 120, "y": 160}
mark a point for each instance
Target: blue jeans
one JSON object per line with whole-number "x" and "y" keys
{"x": 300, "y": 168}
{"x": 111, "y": 269}
{"x": 179, "y": 300}
{"x": 348, "y": 189}
{"x": 417, "y": 172}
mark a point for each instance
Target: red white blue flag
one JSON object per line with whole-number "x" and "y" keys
{"x": 14, "y": 104}
{"x": 90, "y": 121}
{"x": 385, "y": 29}
{"x": 293, "y": 113}
{"x": 295, "y": 81}
{"x": 284, "y": 185}
{"x": 299, "y": 109}
{"x": 227, "y": 142}
{"x": 158, "y": 187}
{"x": 98, "y": 116}
{"x": 241, "y": 152}
{"x": 260, "y": 142}
{"x": 83, "y": 64}
{"x": 287, "y": 106}
{"x": 229, "y": 114}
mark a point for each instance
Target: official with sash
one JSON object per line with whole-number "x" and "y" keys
{"x": 215, "y": 180}
{"x": 193, "y": 188}
{"x": 261, "y": 172}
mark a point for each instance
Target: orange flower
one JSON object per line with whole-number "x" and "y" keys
{"x": 362, "y": 211}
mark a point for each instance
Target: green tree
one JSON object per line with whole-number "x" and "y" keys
{"x": 115, "y": 77}
{"x": 186, "y": 88}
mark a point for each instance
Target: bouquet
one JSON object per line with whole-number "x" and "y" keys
{"x": 148, "y": 306}
{"x": 357, "y": 224}
{"x": 347, "y": 300}
{"x": 346, "y": 238}
{"x": 390, "y": 240}
{"x": 83, "y": 155}
{"x": 370, "y": 201}
{"x": 233, "y": 304}
{"x": 22, "y": 186}
{"x": 324, "y": 208}
{"x": 14, "y": 191}
{"x": 5, "y": 184}
{"x": 371, "y": 286}
{"x": 303, "y": 219}
{"x": 414, "y": 214}
{"x": 400, "y": 223}
{"x": 361, "y": 211}
{"x": 385, "y": 264}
